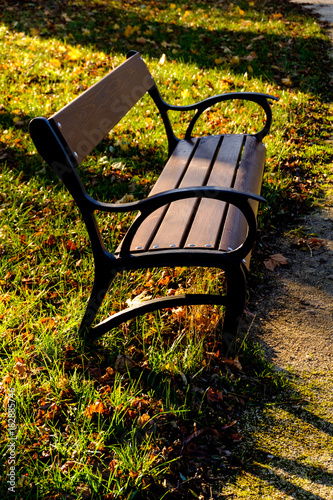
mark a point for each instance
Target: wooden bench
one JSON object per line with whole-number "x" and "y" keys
{"x": 201, "y": 211}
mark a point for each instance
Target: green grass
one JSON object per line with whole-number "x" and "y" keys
{"x": 149, "y": 411}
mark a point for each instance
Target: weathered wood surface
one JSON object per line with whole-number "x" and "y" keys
{"x": 87, "y": 119}
{"x": 225, "y": 161}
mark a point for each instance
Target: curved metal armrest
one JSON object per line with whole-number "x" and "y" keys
{"x": 229, "y": 195}
{"x": 151, "y": 203}
{"x": 201, "y": 106}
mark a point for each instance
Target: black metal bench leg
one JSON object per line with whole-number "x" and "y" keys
{"x": 236, "y": 296}
{"x": 102, "y": 282}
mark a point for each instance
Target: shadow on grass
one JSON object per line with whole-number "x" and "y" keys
{"x": 317, "y": 475}
{"x": 102, "y": 27}
{"x": 299, "y": 470}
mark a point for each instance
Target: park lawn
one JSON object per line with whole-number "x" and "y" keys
{"x": 151, "y": 410}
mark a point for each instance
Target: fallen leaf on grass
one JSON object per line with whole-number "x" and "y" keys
{"x": 123, "y": 363}
{"x": 316, "y": 242}
{"x": 164, "y": 280}
{"x": 127, "y": 198}
{"x": 237, "y": 438}
{"x": 214, "y": 396}
{"x": 70, "y": 245}
{"x": 233, "y": 363}
{"x": 49, "y": 322}
{"x": 108, "y": 375}
{"x": 227, "y": 426}
{"x": 20, "y": 368}
{"x": 274, "y": 261}
{"x": 286, "y": 81}
{"x": 143, "y": 419}
{"x": 51, "y": 240}
{"x": 142, "y": 297}
{"x": 97, "y": 407}
{"x": 6, "y": 380}
{"x": 67, "y": 466}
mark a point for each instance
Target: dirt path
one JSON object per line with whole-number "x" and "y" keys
{"x": 295, "y": 310}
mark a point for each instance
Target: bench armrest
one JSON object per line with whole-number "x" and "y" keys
{"x": 261, "y": 99}
{"x": 240, "y": 199}
{"x": 201, "y": 106}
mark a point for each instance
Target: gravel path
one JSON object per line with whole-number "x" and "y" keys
{"x": 322, "y": 7}
{"x": 295, "y": 309}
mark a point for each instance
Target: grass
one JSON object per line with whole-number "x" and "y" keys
{"x": 150, "y": 411}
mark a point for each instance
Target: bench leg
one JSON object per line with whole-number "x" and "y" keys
{"x": 236, "y": 296}
{"x": 102, "y": 282}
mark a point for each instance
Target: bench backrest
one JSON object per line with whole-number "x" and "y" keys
{"x": 87, "y": 119}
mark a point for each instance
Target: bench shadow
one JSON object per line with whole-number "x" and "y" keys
{"x": 278, "y": 472}
{"x": 279, "y": 466}
{"x": 282, "y": 472}
{"x": 316, "y": 474}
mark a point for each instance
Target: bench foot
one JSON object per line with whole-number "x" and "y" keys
{"x": 100, "y": 288}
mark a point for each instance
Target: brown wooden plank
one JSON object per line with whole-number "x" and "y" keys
{"x": 88, "y": 118}
{"x": 175, "y": 224}
{"x": 249, "y": 178}
{"x": 170, "y": 178}
{"x": 205, "y": 229}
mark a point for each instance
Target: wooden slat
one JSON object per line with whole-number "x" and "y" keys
{"x": 249, "y": 178}
{"x": 170, "y": 178}
{"x": 174, "y": 227}
{"x": 205, "y": 229}
{"x": 88, "y": 118}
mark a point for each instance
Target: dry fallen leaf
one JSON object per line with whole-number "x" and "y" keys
{"x": 70, "y": 245}
{"x": 233, "y": 363}
{"x": 143, "y": 419}
{"x": 274, "y": 261}
{"x": 127, "y": 198}
{"x": 67, "y": 466}
{"x": 286, "y": 81}
{"x": 20, "y": 368}
{"x": 6, "y": 380}
{"x": 123, "y": 363}
{"x": 214, "y": 396}
{"x": 138, "y": 299}
{"x": 97, "y": 407}
{"x": 316, "y": 242}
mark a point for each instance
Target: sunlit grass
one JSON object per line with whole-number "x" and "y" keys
{"x": 117, "y": 419}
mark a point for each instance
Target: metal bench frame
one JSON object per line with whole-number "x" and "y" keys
{"x": 54, "y": 140}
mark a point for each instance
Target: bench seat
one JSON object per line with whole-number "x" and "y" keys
{"x": 232, "y": 161}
